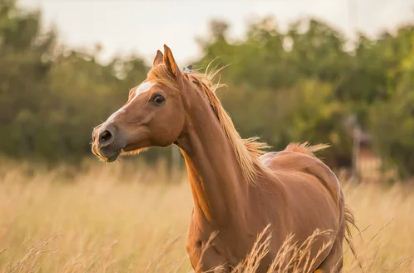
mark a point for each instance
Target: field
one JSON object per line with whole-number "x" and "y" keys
{"x": 133, "y": 218}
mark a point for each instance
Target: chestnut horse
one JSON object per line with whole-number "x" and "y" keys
{"x": 237, "y": 189}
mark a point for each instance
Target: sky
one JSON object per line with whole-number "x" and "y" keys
{"x": 125, "y": 27}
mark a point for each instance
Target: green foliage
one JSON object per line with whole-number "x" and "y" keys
{"x": 392, "y": 120}
{"x": 292, "y": 115}
{"x": 23, "y": 55}
{"x": 299, "y": 85}
{"x": 289, "y": 82}
{"x": 303, "y": 85}
{"x": 393, "y": 127}
{"x": 50, "y": 99}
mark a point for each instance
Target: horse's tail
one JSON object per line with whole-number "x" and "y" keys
{"x": 350, "y": 223}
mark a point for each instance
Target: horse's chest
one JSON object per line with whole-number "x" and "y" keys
{"x": 208, "y": 248}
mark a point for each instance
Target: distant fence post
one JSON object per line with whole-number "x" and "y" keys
{"x": 356, "y": 144}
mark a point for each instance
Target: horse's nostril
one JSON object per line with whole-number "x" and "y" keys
{"x": 105, "y": 137}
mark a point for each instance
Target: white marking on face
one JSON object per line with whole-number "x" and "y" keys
{"x": 143, "y": 87}
{"x": 115, "y": 114}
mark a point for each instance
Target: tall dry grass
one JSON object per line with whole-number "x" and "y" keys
{"x": 132, "y": 218}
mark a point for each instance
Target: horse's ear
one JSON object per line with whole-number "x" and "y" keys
{"x": 158, "y": 58}
{"x": 170, "y": 62}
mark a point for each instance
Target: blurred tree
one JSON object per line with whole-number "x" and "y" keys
{"x": 317, "y": 51}
{"x": 51, "y": 98}
{"x": 25, "y": 57}
{"x": 302, "y": 85}
{"x": 392, "y": 119}
{"x": 288, "y": 83}
{"x": 298, "y": 85}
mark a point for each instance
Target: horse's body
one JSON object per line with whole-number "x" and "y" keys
{"x": 300, "y": 196}
{"x": 293, "y": 191}
{"x": 237, "y": 192}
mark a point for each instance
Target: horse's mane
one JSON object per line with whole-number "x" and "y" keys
{"x": 247, "y": 150}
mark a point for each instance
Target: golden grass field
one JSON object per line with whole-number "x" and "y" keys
{"x": 133, "y": 218}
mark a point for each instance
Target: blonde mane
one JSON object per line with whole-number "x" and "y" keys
{"x": 247, "y": 150}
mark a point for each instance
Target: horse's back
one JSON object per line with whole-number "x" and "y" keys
{"x": 296, "y": 160}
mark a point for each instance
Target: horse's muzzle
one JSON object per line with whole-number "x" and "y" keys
{"x": 106, "y": 142}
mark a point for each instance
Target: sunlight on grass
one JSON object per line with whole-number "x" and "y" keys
{"x": 132, "y": 218}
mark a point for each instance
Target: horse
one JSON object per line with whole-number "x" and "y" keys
{"x": 238, "y": 190}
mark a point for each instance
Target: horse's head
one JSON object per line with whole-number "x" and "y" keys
{"x": 153, "y": 115}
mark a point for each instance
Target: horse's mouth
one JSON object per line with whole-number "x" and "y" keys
{"x": 113, "y": 157}
{"x": 111, "y": 153}
{"x": 107, "y": 154}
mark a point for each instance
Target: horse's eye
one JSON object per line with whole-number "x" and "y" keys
{"x": 158, "y": 99}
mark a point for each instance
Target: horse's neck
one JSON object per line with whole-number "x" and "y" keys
{"x": 216, "y": 179}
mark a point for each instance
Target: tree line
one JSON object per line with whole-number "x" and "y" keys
{"x": 308, "y": 83}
